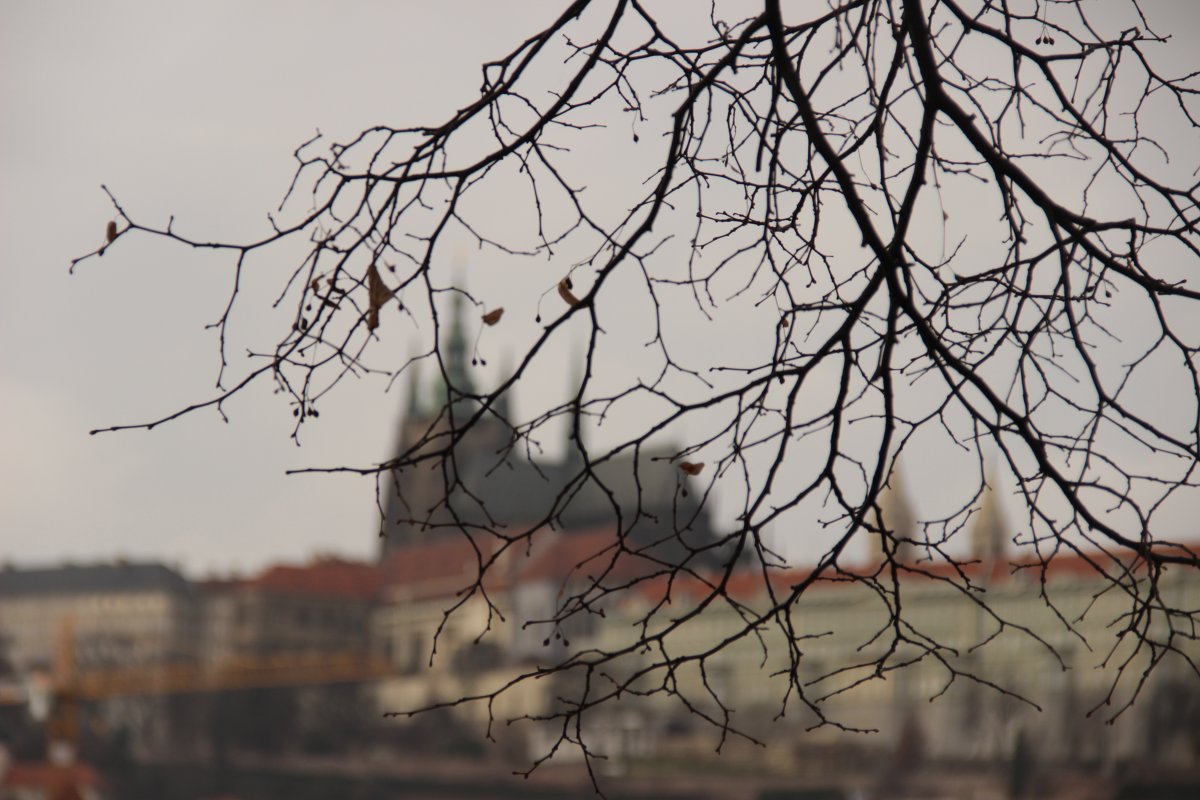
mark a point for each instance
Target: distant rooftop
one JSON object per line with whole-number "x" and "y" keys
{"x": 91, "y": 579}
{"x": 331, "y": 577}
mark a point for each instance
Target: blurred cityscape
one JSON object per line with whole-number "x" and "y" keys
{"x": 128, "y": 680}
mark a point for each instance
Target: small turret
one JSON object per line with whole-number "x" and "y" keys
{"x": 989, "y": 530}
{"x": 898, "y": 515}
{"x": 454, "y": 349}
{"x": 898, "y": 518}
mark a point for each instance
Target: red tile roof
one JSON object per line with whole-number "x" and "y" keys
{"x": 329, "y": 577}
{"x": 747, "y": 583}
{"x": 443, "y": 568}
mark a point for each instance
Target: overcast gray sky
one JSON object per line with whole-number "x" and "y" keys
{"x": 194, "y": 110}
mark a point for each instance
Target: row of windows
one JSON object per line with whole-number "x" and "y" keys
{"x": 305, "y": 616}
{"x": 84, "y": 604}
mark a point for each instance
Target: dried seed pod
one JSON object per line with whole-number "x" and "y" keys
{"x": 493, "y": 316}
{"x": 691, "y": 467}
{"x": 110, "y": 232}
{"x": 564, "y": 291}
{"x": 377, "y": 295}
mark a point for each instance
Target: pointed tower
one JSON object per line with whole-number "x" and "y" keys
{"x": 898, "y": 519}
{"x": 989, "y": 530}
{"x": 410, "y": 498}
{"x": 898, "y": 515}
{"x": 454, "y": 349}
{"x": 403, "y": 494}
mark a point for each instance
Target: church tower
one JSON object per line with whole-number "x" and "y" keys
{"x": 454, "y": 355}
{"x": 410, "y": 498}
{"x": 414, "y": 500}
{"x": 898, "y": 515}
{"x": 898, "y": 518}
{"x": 989, "y": 529}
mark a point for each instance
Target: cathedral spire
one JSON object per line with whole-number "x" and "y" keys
{"x": 898, "y": 515}
{"x": 989, "y": 533}
{"x": 454, "y": 349}
{"x": 897, "y": 519}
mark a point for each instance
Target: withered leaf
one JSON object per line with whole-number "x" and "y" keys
{"x": 377, "y": 295}
{"x": 691, "y": 467}
{"x": 110, "y": 232}
{"x": 493, "y": 316}
{"x": 564, "y": 291}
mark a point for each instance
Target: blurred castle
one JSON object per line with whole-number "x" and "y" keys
{"x": 488, "y": 485}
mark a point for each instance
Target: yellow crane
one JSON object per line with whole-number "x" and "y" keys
{"x": 71, "y": 686}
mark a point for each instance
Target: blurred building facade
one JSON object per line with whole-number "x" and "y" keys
{"x": 320, "y": 607}
{"x": 1040, "y": 656}
{"x": 117, "y": 613}
{"x": 391, "y": 615}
